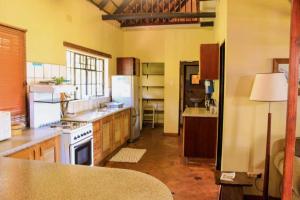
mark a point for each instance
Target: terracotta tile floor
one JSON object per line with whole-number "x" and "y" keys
{"x": 163, "y": 160}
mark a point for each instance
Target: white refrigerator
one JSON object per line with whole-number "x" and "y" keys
{"x": 125, "y": 89}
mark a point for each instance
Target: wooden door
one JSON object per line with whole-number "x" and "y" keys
{"x": 209, "y": 61}
{"x": 128, "y": 66}
{"x": 107, "y": 132}
{"x": 118, "y": 129}
{"x": 200, "y": 137}
{"x": 12, "y": 71}
{"x": 26, "y": 154}
{"x": 126, "y": 125}
{"x": 49, "y": 150}
{"x": 97, "y": 142}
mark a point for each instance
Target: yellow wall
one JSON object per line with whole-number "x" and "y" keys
{"x": 50, "y": 22}
{"x": 221, "y": 21}
{"x": 257, "y": 32}
{"x": 168, "y": 45}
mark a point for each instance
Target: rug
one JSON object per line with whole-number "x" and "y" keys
{"x": 128, "y": 155}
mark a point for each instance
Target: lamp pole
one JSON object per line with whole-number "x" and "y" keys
{"x": 267, "y": 159}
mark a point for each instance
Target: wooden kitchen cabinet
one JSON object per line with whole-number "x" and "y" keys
{"x": 118, "y": 129}
{"x": 48, "y": 151}
{"x": 97, "y": 137}
{"x": 26, "y": 154}
{"x": 209, "y": 62}
{"x": 110, "y": 133}
{"x": 107, "y": 135}
{"x": 126, "y": 125}
{"x": 200, "y": 137}
{"x": 128, "y": 66}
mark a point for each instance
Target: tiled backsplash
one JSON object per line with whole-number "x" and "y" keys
{"x": 38, "y": 71}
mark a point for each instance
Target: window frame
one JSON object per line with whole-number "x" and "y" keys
{"x": 87, "y": 66}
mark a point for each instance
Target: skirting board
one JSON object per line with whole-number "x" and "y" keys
{"x": 253, "y": 197}
{"x": 171, "y": 134}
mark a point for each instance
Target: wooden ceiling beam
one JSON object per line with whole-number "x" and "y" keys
{"x": 202, "y": 24}
{"x": 94, "y": 3}
{"x": 134, "y": 16}
{"x": 103, "y": 4}
{"x": 122, "y": 7}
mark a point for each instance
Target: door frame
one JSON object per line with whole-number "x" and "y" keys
{"x": 221, "y": 106}
{"x": 183, "y": 65}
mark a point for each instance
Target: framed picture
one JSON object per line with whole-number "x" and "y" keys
{"x": 282, "y": 65}
{"x": 195, "y": 78}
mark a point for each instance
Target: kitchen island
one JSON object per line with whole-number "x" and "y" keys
{"x": 199, "y": 133}
{"x": 37, "y": 180}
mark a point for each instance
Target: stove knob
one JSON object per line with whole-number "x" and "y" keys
{"x": 90, "y": 131}
{"x": 75, "y": 138}
{"x": 85, "y": 133}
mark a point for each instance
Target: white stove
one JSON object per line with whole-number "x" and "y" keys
{"x": 76, "y": 142}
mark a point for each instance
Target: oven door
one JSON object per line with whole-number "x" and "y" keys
{"x": 81, "y": 153}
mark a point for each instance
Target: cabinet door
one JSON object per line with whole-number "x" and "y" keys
{"x": 200, "y": 137}
{"x": 49, "y": 150}
{"x": 118, "y": 129}
{"x": 209, "y": 61}
{"x": 107, "y": 132}
{"x": 97, "y": 142}
{"x": 128, "y": 66}
{"x": 26, "y": 154}
{"x": 126, "y": 125}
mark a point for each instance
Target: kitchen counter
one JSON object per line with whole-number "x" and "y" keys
{"x": 198, "y": 112}
{"x": 94, "y": 115}
{"x": 199, "y": 133}
{"x": 28, "y": 138}
{"x": 37, "y": 180}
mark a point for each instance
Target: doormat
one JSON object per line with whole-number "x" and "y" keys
{"x": 128, "y": 155}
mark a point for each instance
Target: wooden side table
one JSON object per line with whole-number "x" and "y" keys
{"x": 233, "y": 190}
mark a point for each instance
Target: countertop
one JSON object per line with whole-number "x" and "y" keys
{"x": 94, "y": 115}
{"x": 37, "y": 180}
{"x": 198, "y": 112}
{"x": 28, "y": 138}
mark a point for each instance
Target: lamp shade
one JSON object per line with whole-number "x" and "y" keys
{"x": 269, "y": 87}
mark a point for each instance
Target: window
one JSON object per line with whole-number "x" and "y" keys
{"x": 86, "y": 73}
{"x": 12, "y": 72}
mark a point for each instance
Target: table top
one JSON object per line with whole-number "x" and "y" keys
{"x": 241, "y": 179}
{"x": 198, "y": 112}
{"x": 38, "y": 180}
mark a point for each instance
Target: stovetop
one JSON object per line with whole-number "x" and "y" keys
{"x": 67, "y": 126}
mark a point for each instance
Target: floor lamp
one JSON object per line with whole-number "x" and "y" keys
{"x": 271, "y": 87}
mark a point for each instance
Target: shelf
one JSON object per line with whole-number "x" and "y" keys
{"x": 54, "y": 101}
{"x": 158, "y": 74}
{"x": 152, "y": 99}
{"x": 150, "y": 86}
{"x": 151, "y": 111}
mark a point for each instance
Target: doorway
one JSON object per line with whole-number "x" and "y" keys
{"x": 191, "y": 95}
{"x": 221, "y": 106}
